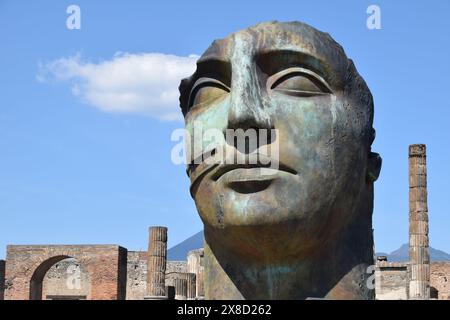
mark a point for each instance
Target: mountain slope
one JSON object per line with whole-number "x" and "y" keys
{"x": 402, "y": 254}
{"x": 179, "y": 252}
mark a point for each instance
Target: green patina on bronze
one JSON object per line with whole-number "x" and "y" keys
{"x": 306, "y": 232}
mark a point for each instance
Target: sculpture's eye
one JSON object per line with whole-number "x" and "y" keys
{"x": 298, "y": 82}
{"x": 206, "y": 91}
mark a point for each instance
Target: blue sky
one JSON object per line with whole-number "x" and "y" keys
{"x": 78, "y": 166}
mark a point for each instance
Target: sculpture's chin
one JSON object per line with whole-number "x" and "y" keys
{"x": 265, "y": 234}
{"x": 243, "y": 201}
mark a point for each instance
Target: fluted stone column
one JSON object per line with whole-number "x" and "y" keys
{"x": 419, "y": 285}
{"x": 156, "y": 263}
{"x": 191, "y": 286}
{"x": 180, "y": 288}
{"x": 200, "y": 283}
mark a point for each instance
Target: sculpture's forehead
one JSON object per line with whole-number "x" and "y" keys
{"x": 273, "y": 36}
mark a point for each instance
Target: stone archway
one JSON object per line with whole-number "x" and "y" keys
{"x": 54, "y": 279}
{"x": 38, "y": 276}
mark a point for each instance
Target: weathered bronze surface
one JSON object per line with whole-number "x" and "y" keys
{"x": 304, "y": 230}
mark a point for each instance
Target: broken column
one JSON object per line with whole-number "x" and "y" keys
{"x": 180, "y": 288}
{"x": 156, "y": 263}
{"x": 419, "y": 285}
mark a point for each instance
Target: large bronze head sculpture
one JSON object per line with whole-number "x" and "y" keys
{"x": 303, "y": 227}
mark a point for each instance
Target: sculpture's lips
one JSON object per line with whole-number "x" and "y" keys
{"x": 248, "y": 179}
{"x": 250, "y": 172}
{"x": 198, "y": 172}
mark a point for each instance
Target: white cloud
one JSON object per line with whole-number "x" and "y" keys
{"x": 144, "y": 83}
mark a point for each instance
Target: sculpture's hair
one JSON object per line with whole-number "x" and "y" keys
{"x": 359, "y": 93}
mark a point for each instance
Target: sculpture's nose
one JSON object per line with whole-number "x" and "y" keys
{"x": 246, "y": 109}
{"x": 246, "y": 113}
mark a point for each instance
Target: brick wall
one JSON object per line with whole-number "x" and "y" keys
{"x": 26, "y": 267}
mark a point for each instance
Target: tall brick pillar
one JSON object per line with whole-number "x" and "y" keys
{"x": 419, "y": 285}
{"x": 156, "y": 263}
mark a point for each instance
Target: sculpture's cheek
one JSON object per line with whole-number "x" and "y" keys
{"x": 206, "y": 124}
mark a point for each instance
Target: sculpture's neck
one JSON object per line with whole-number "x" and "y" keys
{"x": 337, "y": 270}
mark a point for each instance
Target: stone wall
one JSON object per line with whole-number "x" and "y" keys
{"x": 440, "y": 279}
{"x": 2, "y": 279}
{"x": 26, "y": 267}
{"x": 173, "y": 271}
{"x": 136, "y": 275}
{"x": 391, "y": 281}
{"x": 66, "y": 279}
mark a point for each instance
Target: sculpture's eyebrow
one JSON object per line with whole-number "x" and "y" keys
{"x": 208, "y": 66}
{"x": 271, "y": 62}
{"x": 212, "y": 66}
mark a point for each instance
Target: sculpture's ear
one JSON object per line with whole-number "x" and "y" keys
{"x": 373, "y": 162}
{"x": 184, "y": 88}
{"x": 373, "y": 167}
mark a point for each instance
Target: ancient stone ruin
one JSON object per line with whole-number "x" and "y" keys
{"x": 99, "y": 272}
{"x": 416, "y": 279}
{"x": 156, "y": 263}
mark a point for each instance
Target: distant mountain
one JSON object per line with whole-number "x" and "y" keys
{"x": 180, "y": 251}
{"x": 402, "y": 254}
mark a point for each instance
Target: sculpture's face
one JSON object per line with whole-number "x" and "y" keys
{"x": 294, "y": 79}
